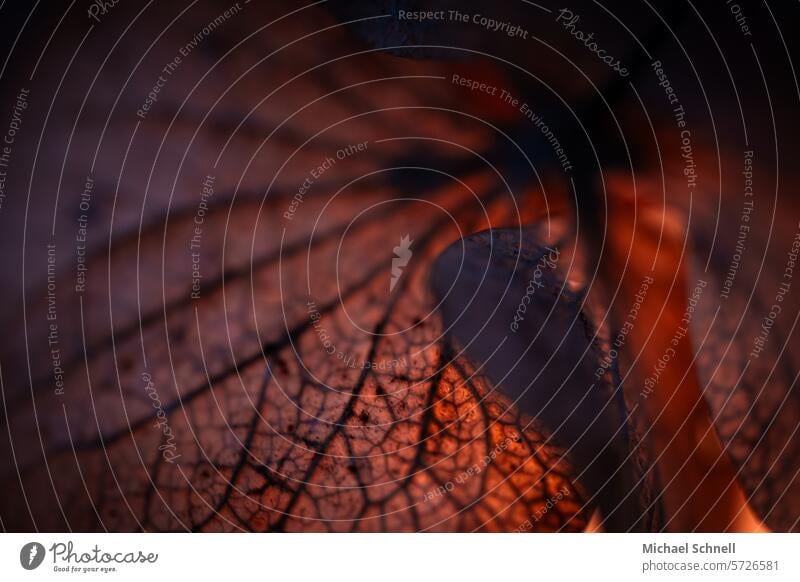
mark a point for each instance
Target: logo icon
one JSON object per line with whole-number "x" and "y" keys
{"x": 31, "y": 555}
{"x": 402, "y": 254}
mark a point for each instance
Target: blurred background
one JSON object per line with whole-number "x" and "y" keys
{"x": 239, "y": 242}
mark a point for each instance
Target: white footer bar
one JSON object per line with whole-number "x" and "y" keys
{"x": 401, "y": 557}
